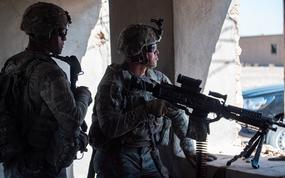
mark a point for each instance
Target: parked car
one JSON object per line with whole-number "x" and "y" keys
{"x": 268, "y": 100}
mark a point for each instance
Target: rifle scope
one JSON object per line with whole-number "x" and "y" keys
{"x": 189, "y": 83}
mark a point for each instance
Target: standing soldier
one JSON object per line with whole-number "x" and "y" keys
{"x": 128, "y": 124}
{"x": 49, "y": 114}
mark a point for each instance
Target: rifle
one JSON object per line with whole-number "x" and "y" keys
{"x": 188, "y": 96}
{"x": 75, "y": 70}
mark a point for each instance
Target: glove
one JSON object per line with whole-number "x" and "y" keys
{"x": 83, "y": 93}
{"x": 157, "y": 107}
{"x": 84, "y": 126}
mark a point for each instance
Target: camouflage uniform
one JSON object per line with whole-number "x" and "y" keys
{"x": 124, "y": 122}
{"x": 50, "y": 113}
{"x": 51, "y": 108}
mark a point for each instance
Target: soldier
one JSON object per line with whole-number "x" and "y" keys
{"x": 128, "y": 124}
{"x": 50, "y": 113}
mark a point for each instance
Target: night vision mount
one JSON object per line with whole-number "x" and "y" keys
{"x": 159, "y": 30}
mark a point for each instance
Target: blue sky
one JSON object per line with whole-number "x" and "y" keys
{"x": 261, "y": 17}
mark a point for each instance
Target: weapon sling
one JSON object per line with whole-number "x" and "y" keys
{"x": 155, "y": 154}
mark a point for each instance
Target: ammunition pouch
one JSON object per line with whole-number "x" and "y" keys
{"x": 65, "y": 149}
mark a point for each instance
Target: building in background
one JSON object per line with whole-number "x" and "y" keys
{"x": 262, "y": 50}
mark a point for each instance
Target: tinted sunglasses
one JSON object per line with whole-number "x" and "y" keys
{"x": 62, "y": 32}
{"x": 151, "y": 48}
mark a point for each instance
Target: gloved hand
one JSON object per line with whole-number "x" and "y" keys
{"x": 83, "y": 93}
{"x": 157, "y": 107}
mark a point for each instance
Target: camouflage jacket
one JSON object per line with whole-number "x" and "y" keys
{"x": 120, "y": 112}
{"x": 49, "y": 101}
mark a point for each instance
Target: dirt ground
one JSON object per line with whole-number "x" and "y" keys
{"x": 261, "y": 76}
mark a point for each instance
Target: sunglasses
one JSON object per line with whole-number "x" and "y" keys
{"x": 62, "y": 32}
{"x": 151, "y": 48}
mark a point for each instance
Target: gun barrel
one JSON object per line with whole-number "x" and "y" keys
{"x": 189, "y": 97}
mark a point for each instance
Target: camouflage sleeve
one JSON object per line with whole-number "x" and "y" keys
{"x": 113, "y": 119}
{"x": 179, "y": 122}
{"x": 57, "y": 95}
{"x": 177, "y": 116}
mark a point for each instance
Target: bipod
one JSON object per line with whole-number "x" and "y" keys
{"x": 255, "y": 143}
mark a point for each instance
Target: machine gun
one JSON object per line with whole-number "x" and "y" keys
{"x": 188, "y": 96}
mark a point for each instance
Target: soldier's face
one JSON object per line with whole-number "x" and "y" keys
{"x": 152, "y": 57}
{"x": 57, "y": 40}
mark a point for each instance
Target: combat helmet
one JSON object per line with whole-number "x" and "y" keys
{"x": 135, "y": 37}
{"x": 41, "y": 19}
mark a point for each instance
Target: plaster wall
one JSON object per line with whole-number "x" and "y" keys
{"x": 257, "y": 50}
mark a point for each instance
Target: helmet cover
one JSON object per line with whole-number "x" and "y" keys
{"x": 41, "y": 19}
{"x": 135, "y": 37}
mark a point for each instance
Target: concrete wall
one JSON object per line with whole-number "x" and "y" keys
{"x": 125, "y": 12}
{"x": 197, "y": 26}
{"x": 257, "y": 50}
{"x": 224, "y": 77}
